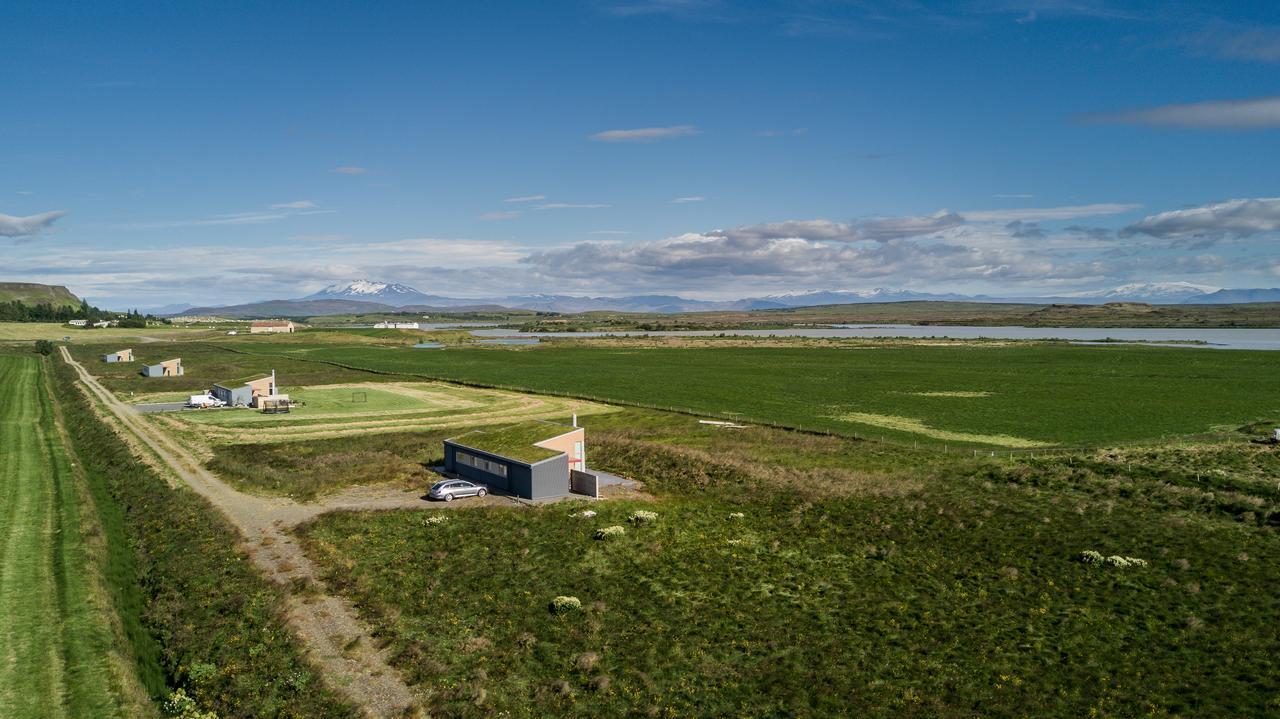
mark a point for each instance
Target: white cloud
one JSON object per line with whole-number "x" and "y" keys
{"x": 11, "y": 226}
{"x": 1040, "y": 214}
{"x": 296, "y": 205}
{"x": 686, "y": 200}
{"x": 499, "y": 216}
{"x": 351, "y": 170}
{"x": 645, "y": 134}
{"x": 159, "y": 275}
{"x": 874, "y": 230}
{"x": 569, "y": 206}
{"x": 780, "y": 133}
{"x": 526, "y": 198}
{"x": 1238, "y": 42}
{"x": 1233, "y": 218}
{"x": 700, "y": 259}
{"x": 1249, "y": 114}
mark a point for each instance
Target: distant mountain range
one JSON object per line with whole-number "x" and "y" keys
{"x": 365, "y": 297}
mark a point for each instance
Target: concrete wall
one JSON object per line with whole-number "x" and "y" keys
{"x": 566, "y": 443}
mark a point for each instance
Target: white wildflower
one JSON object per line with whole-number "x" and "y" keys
{"x": 643, "y": 516}
{"x": 611, "y": 532}
{"x": 563, "y": 604}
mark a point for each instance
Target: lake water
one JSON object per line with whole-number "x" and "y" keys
{"x": 1244, "y": 339}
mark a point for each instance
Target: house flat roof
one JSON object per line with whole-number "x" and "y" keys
{"x": 517, "y": 441}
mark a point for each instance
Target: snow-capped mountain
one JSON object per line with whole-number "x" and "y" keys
{"x": 370, "y": 291}
{"x": 1158, "y": 292}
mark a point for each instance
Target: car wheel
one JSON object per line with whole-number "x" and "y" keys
{"x": 481, "y": 492}
{"x": 448, "y": 497}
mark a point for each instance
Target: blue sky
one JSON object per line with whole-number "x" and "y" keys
{"x": 218, "y": 152}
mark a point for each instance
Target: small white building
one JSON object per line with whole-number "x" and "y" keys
{"x": 78, "y": 323}
{"x": 396, "y": 326}
{"x": 271, "y": 326}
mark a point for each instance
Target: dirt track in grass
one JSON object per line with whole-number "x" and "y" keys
{"x": 327, "y": 624}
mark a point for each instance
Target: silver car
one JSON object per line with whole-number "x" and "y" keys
{"x": 452, "y": 488}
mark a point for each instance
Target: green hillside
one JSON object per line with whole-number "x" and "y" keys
{"x": 32, "y": 293}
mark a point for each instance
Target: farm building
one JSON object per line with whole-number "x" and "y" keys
{"x": 120, "y": 356}
{"x": 78, "y": 323}
{"x": 167, "y": 368}
{"x": 396, "y": 326}
{"x": 534, "y": 460}
{"x": 245, "y": 393}
{"x": 270, "y": 326}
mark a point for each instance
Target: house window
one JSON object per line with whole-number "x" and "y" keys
{"x": 481, "y": 464}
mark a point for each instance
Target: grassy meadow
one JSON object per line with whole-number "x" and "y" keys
{"x": 53, "y": 331}
{"x": 1021, "y": 395}
{"x": 798, "y": 575}
{"x": 61, "y": 655}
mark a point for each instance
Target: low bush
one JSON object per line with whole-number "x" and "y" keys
{"x": 643, "y": 516}
{"x": 564, "y": 605}
{"x": 611, "y": 532}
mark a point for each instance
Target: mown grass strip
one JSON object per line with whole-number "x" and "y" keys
{"x": 55, "y": 640}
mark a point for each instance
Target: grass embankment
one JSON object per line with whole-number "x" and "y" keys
{"x": 219, "y": 624}
{"x": 306, "y": 470}
{"x": 57, "y": 638}
{"x": 980, "y": 395}
{"x": 794, "y": 575}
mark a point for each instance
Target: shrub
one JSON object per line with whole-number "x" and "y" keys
{"x": 643, "y": 516}
{"x": 1089, "y": 556}
{"x": 435, "y": 519}
{"x": 610, "y": 532}
{"x": 565, "y": 604}
{"x": 181, "y": 706}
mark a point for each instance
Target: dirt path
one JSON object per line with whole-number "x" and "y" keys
{"x": 325, "y": 623}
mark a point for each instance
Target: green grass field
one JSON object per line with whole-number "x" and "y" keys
{"x": 59, "y": 653}
{"x": 204, "y": 364}
{"x": 1020, "y": 395}
{"x": 802, "y": 575}
{"x": 31, "y": 331}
